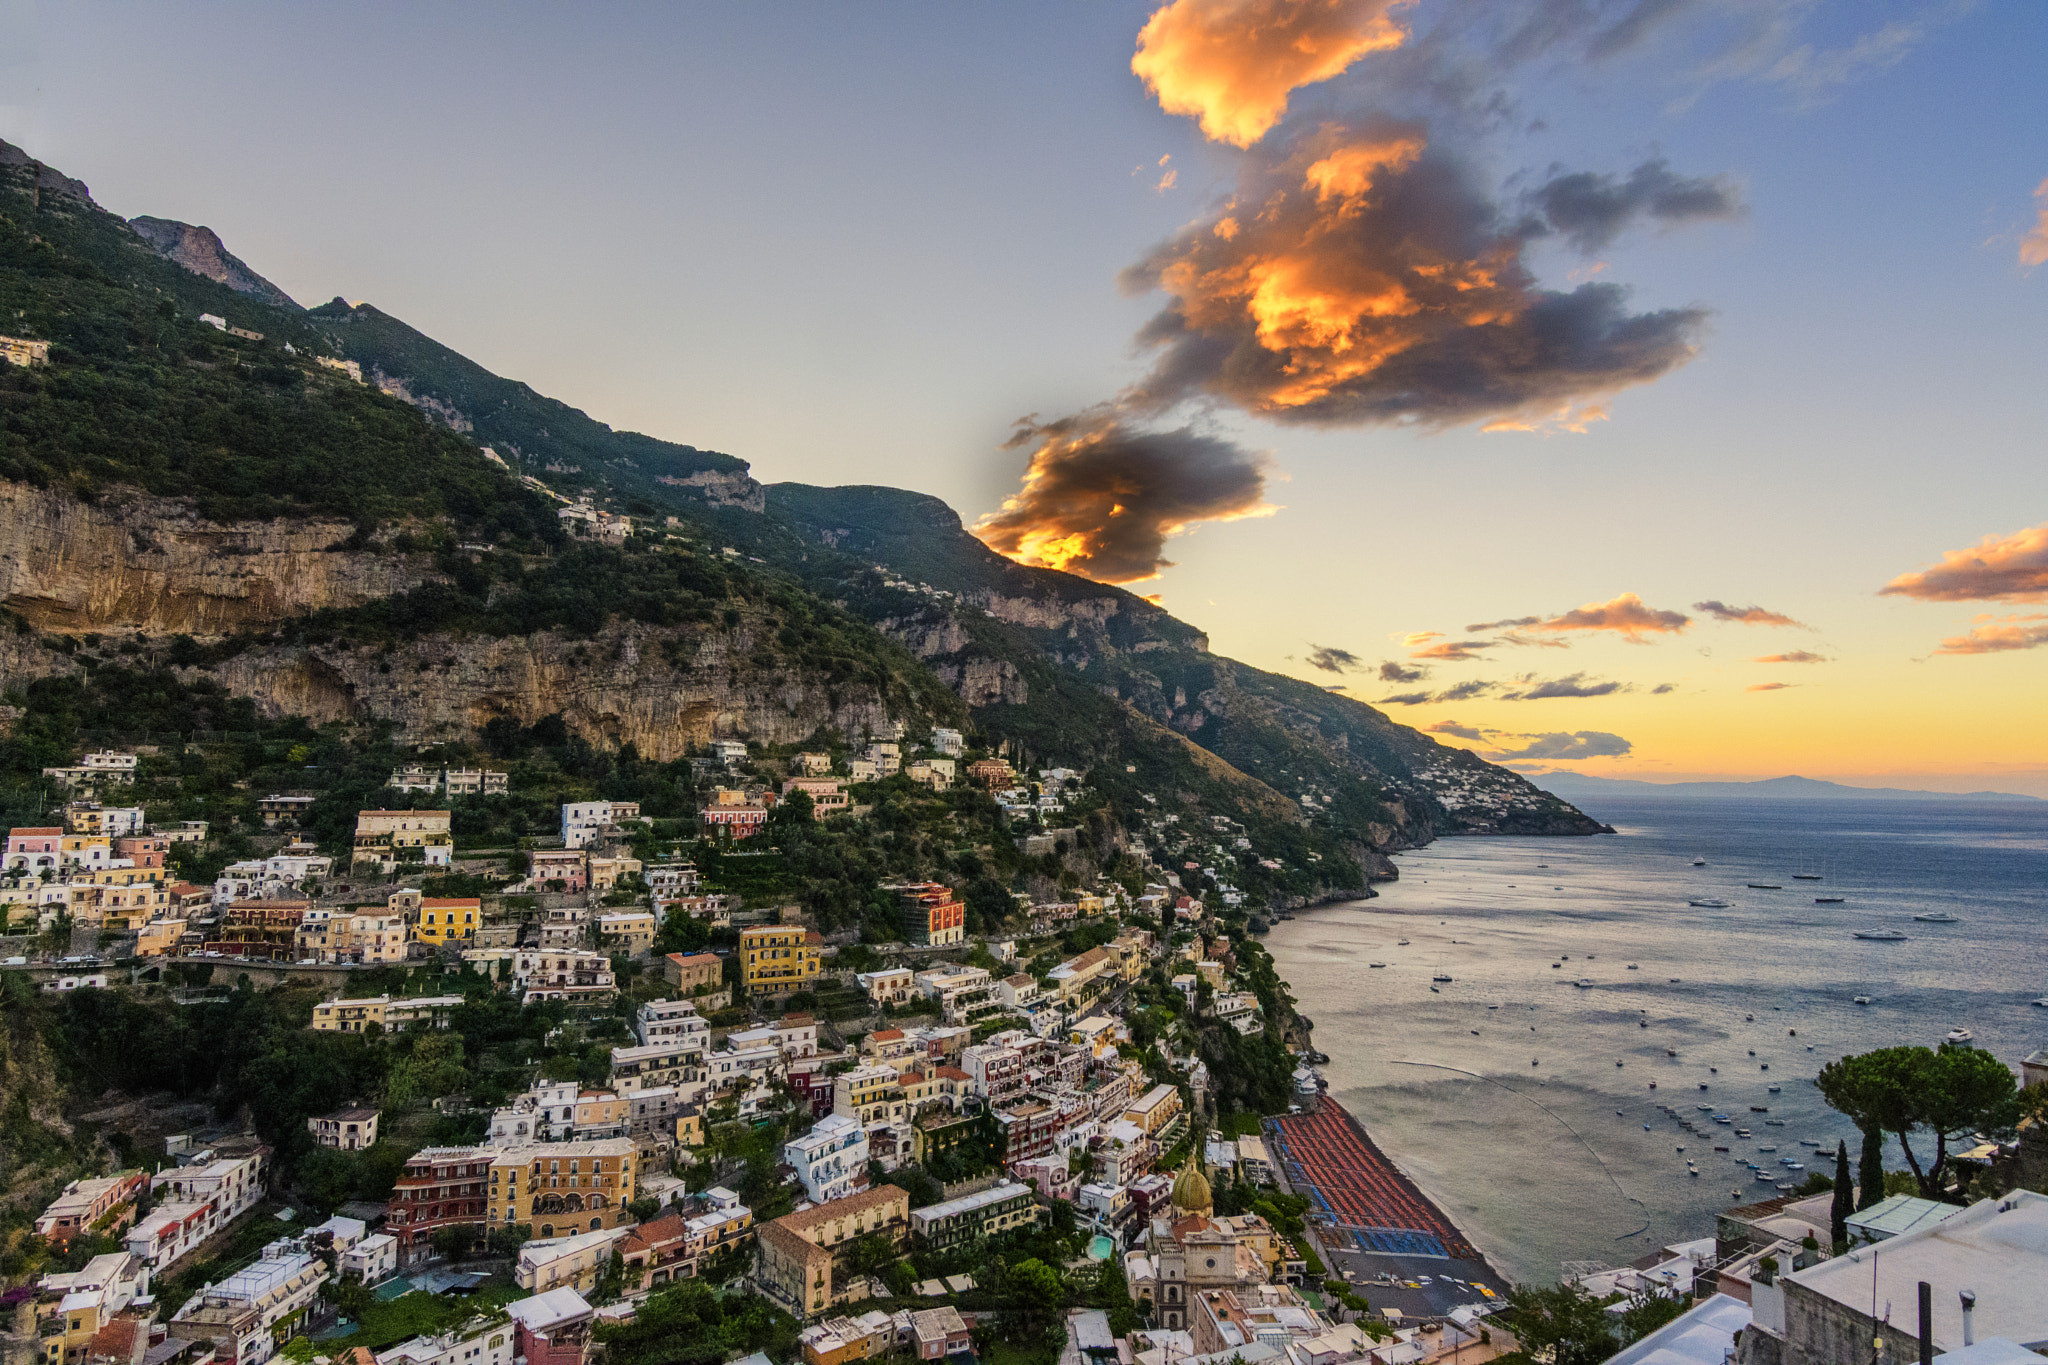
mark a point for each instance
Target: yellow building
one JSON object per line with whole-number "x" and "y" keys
{"x": 562, "y": 1188}
{"x": 779, "y": 958}
{"x": 159, "y": 937}
{"x": 629, "y": 931}
{"x": 449, "y": 919}
{"x": 389, "y": 837}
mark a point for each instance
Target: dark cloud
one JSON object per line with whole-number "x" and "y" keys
{"x": 1565, "y": 746}
{"x": 1332, "y": 660}
{"x": 1405, "y": 699}
{"x": 1464, "y": 691}
{"x": 1393, "y": 671}
{"x": 1748, "y": 616}
{"x": 1452, "y": 651}
{"x": 1634, "y": 28}
{"x": 2010, "y": 568}
{"x": 1795, "y": 656}
{"x": 1661, "y": 688}
{"x": 1451, "y": 727}
{"x": 1572, "y": 685}
{"x": 1590, "y": 209}
{"x": 1101, "y": 497}
{"x": 1360, "y": 275}
{"x": 1509, "y": 624}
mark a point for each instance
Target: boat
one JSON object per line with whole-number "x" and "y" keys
{"x": 1759, "y": 1109}
{"x": 1375, "y": 964}
{"x": 1809, "y": 1142}
{"x": 1703, "y": 1086}
{"x": 1699, "y": 862}
{"x": 1722, "y": 1118}
{"x": 1720, "y": 1148}
{"x": 1706, "y": 1108}
{"x": 1402, "y": 944}
{"x": 1632, "y": 966}
{"x": 1807, "y": 877}
{"x": 1827, "y": 900}
{"x": 1773, "y": 1088}
{"x": 1670, "y": 1052}
{"x": 2042, "y": 1003}
{"x": 1709, "y": 904}
{"x": 1441, "y": 976}
{"x": 1881, "y": 935}
{"x": 1583, "y": 982}
{"x": 1742, "y": 1132}
{"x": 1775, "y": 1123}
{"x": 1767, "y": 1148}
{"x": 1958, "y": 1035}
{"x": 1937, "y": 917}
{"x": 1764, "y": 886}
{"x": 1864, "y": 1000}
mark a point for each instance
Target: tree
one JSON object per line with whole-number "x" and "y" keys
{"x": 1951, "y": 1092}
{"x": 455, "y": 1240}
{"x": 1845, "y": 1200}
{"x": 1562, "y": 1324}
{"x": 1115, "y": 1296}
{"x": 1870, "y": 1170}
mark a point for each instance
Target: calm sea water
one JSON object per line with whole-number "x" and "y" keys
{"x": 1498, "y": 1093}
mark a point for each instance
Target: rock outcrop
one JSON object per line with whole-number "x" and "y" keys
{"x": 130, "y": 561}
{"x": 199, "y": 250}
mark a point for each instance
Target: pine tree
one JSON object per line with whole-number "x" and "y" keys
{"x": 1845, "y": 1198}
{"x": 1870, "y": 1172}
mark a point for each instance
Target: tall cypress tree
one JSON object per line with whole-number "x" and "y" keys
{"x": 1870, "y": 1172}
{"x": 1845, "y": 1198}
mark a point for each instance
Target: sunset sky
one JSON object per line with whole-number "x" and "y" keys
{"x": 1581, "y": 384}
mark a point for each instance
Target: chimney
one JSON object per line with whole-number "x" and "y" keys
{"x": 1969, "y": 1317}
{"x": 1926, "y": 1323}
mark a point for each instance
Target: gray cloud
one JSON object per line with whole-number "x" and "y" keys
{"x": 1331, "y": 659}
{"x": 1508, "y": 624}
{"x": 1393, "y": 671}
{"x": 1661, "y": 688}
{"x": 1566, "y": 746}
{"x": 1405, "y": 699}
{"x": 1451, "y": 727}
{"x": 1590, "y": 209}
{"x": 1572, "y": 685}
{"x": 1465, "y": 691}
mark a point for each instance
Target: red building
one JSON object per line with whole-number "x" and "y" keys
{"x": 742, "y": 822}
{"x": 442, "y": 1187}
{"x": 931, "y": 913}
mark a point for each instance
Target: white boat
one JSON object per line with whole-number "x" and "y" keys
{"x": 2042, "y": 1002}
{"x": 1958, "y": 1035}
{"x": 1584, "y": 983}
{"x": 1864, "y": 1000}
{"x": 1709, "y": 904}
{"x": 1881, "y": 935}
{"x": 1937, "y": 917}
{"x": 1699, "y": 862}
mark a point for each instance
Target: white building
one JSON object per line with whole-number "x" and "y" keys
{"x": 481, "y": 1341}
{"x": 281, "y": 875}
{"x": 372, "y": 1260}
{"x": 278, "y": 1288}
{"x": 831, "y": 1160}
{"x": 947, "y": 742}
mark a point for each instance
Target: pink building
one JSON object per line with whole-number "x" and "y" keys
{"x": 36, "y": 849}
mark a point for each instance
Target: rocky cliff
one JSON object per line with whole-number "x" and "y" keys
{"x": 200, "y": 251}
{"x": 133, "y": 562}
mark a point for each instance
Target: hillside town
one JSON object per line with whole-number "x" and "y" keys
{"x": 1010, "y": 1145}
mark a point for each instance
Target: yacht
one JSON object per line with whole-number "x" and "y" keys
{"x": 1708, "y": 904}
{"x": 1584, "y": 982}
{"x": 1699, "y": 862}
{"x": 1937, "y": 917}
{"x": 1958, "y": 1035}
{"x": 1375, "y": 964}
{"x": 1765, "y": 886}
{"x": 1402, "y": 944}
{"x": 2042, "y": 1002}
{"x": 1828, "y": 900}
{"x": 1864, "y": 1000}
{"x": 1881, "y": 935}
{"x": 1441, "y": 976}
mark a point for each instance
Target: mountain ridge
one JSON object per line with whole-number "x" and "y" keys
{"x": 1788, "y": 788}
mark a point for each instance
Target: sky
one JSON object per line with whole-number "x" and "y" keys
{"x": 1353, "y": 331}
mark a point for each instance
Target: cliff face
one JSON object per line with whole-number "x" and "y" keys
{"x": 663, "y": 690}
{"x": 131, "y": 561}
{"x": 199, "y": 250}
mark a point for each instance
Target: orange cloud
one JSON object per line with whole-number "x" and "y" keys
{"x": 1797, "y": 656}
{"x": 1101, "y": 498}
{"x": 1748, "y": 616}
{"x": 1768, "y": 687}
{"x": 1626, "y": 615}
{"x": 1359, "y": 276}
{"x": 1999, "y": 634}
{"x": 1232, "y": 63}
{"x": 2010, "y": 568}
{"x": 2034, "y": 246}
{"x": 1453, "y": 650}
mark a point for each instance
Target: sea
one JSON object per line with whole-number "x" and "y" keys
{"x": 1498, "y": 1092}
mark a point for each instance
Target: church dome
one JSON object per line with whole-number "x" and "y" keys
{"x": 1191, "y": 1190}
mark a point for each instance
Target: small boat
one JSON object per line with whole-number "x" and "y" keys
{"x": 1705, "y": 1108}
{"x": 1653, "y": 1085}
{"x": 1773, "y": 1089}
{"x": 1759, "y": 1109}
{"x": 1827, "y": 900}
{"x": 1764, "y": 886}
{"x": 1720, "y": 1148}
{"x": 1767, "y": 1148}
{"x": 1722, "y": 1118}
{"x": 1699, "y": 862}
{"x": 1703, "y": 1086}
{"x": 1775, "y": 1123}
{"x": 1809, "y": 1142}
{"x": 1375, "y": 964}
{"x": 1441, "y": 976}
{"x": 1670, "y": 1052}
{"x": 1402, "y": 944}
{"x": 1691, "y": 1169}
{"x": 1937, "y": 917}
{"x": 1617, "y": 1063}
{"x": 1793, "y": 1165}
{"x": 1642, "y": 1023}
{"x": 1784, "y": 1186}
{"x": 1864, "y": 1000}
{"x": 1583, "y": 982}
{"x": 1958, "y": 1035}
{"x": 1807, "y": 877}
{"x": 2042, "y": 1003}
{"x": 1881, "y": 935}
{"x": 1709, "y": 904}
{"x": 1768, "y": 1177}
{"x": 1632, "y": 966}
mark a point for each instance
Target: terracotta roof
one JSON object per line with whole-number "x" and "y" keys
{"x": 950, "y": 1073}
{"x": 911, "y": 1078}
{"x": 692, "y": 959}
{"x": 879, "y": 1198}
{"x": 668, "y": 1227}
{"x": 37, "y": 829}
{"x": 116, "y": 1339}
{"x": 452, "y": 902}
{"x": 886, "y": 1035}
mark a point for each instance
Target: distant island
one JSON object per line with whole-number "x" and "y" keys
{"x": 1577, "y": 786}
